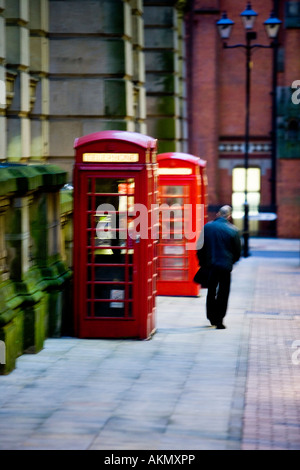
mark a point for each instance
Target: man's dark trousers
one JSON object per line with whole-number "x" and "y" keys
{"x": 217, "y": 294}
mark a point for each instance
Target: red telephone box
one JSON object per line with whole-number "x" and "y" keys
{"x": 115, "y": 191}
{"x": 183, "y": 212}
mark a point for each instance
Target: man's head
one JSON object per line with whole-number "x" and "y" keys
{"x": 225, "y": 212}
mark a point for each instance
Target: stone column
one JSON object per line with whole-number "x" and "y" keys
{"x": 17, "y": 58}
{"x": 26, "y": 278}
{"x": 47, "y": 253}
{"x": 165, "y": 75}
{"x": 2, "y": 85}
{"x": 138, "y": 62}
{"x": 45, "y": 228}
{"x": 96, "y": 77}
{"x": 39, "y": 81}
{"x": 54, "y": 227}
{"x": 4, "y": 275}
{"x": 18, "y": 238}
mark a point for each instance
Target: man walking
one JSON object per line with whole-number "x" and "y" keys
{"x": 221, "y": 249}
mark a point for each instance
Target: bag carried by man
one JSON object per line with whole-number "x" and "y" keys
{"x": 201, "y": 276}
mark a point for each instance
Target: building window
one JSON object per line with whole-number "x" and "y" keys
{"x": 293, "y": 130}
{"x": 292, "y": 14}
{"x": 238, "y": 191}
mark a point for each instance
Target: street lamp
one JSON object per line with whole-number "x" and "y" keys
{"x": 248, "y": 17}
{"x": 224, "y": 26}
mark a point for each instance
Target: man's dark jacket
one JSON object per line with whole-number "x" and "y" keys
{"x": 222, "y": 245}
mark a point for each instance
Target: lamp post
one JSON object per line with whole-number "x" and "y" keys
{"x": 224, "y": 26}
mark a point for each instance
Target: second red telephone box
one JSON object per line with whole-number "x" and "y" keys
{"x": 115, "y": 181}
{"x": 182, "y": 196}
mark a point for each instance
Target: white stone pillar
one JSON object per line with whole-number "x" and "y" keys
{"x": 39, "y": 71}
{"x": 4, "y": 275}
{"x": 18, "y": 60}
{"x": 2, "y": 85}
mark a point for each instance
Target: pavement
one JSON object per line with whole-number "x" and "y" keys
{"x": 191, "y": 387}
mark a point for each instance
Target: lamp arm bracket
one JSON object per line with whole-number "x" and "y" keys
{"x": 245, "y": 46}
{"x": 262, "y": 46}
{"x": 225, "y": 46}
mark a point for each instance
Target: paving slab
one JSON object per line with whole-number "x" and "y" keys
{"x": 191, "y": 387}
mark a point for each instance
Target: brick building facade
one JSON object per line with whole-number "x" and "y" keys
{"x": 217, "y": 79}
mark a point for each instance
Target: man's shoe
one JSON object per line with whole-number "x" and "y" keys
{"x": 220, "y": 326}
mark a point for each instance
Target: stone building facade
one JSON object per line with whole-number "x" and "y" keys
{"x": 70, "y": 68}
{"x": 74, "y": 67}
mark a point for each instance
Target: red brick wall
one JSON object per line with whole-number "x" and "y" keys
{"x": 203, "y": 96}
{"x": 265, "y": 190}
{"x": 232, "y": 75}
{"x": 288, "y": 174}
{"x": 288, "y": 197}
{"x": 225, "y": 188}
{"x": 217, "y": 100}
{"x": 217, "y": 84}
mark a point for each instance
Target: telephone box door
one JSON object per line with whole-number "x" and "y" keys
{"x": 182, "y": 198}
{"x": 110, "y": 258}
{"x": 176, "y": 252}
{"x": 115, "y": 187}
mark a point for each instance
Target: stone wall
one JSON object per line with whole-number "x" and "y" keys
{"x": 96, "y": 73}
{"x": 69, "y": 68}
{"x": 34, "y": 279}
{"x": 165, "y": 59}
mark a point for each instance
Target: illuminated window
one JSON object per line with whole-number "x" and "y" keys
{"x": 238, "y": 191}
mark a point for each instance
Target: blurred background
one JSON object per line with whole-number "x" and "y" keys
{"x": 69, "y": 68}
